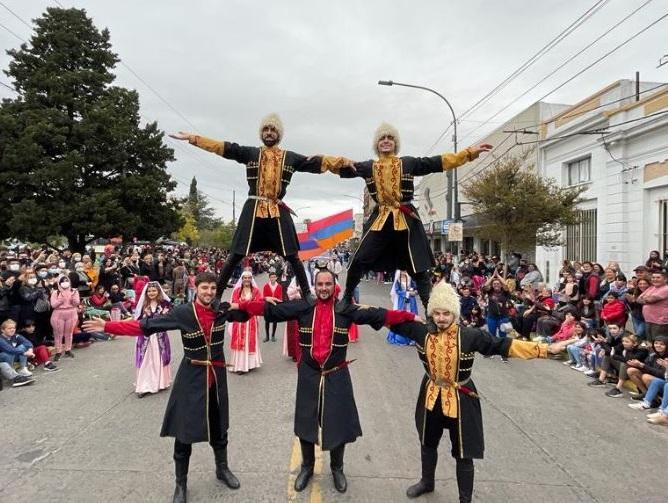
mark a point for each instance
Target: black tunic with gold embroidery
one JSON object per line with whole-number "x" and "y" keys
{"x": 187, "y": 412}
{"x": 390, "y": 181}
{"x": 325, "y": 393}
{"x": 470, "y": 439}
{"x": 264, "y": 223}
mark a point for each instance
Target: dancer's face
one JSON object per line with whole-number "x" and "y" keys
{"x": 386, "y": 144}
{"x": 206, "y": 292}
{"x": 246, "y": 280}
{"x": 443, "y": 318}
{"x": 324, "y": 285}
{"x": 269, "y": 136}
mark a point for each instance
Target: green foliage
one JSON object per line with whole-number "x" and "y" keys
{"x": 74, "y": 159}
{"x": 520, "y": 209}
{"x": 219, "y": 237}
{"x": 188, "y": 232}
{"x": 197, "y": 205}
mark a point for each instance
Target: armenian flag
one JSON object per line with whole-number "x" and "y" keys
{"x": 325, "y": 233}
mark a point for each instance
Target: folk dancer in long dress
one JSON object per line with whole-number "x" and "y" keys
{"x": 153, "y": 354}
{"x": 272, "y": 289}
{"x": 403, "y": 294}
{"x": 291, "y": 347}
{"x": 244, "y": 336}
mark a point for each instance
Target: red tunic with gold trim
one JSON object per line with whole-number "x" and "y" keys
{"x": 325, "y": 410}
{"x": 203, "y": 334}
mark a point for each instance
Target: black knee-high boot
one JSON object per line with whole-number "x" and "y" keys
{"x": 465, "y": 473}
{"x": 429, "y": 457}
{"x": 308, "y": 461}
{"x": 226, "y": 273}
{"x": 353, "y": 277}
{"x": 181, "y": 461}
{"x": 423, "y": 283}
{"x": 300, "y": 273}
{"x": 336, "y": 464}
{"x": 223, "y": 472}
{"x": 266, "y": 329}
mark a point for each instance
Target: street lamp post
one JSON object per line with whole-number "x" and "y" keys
{"x": 451, "y": 175}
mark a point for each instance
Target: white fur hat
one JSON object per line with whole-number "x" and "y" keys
{"x": 443, "y": 296}
{"x": 275, "y": 121}
{"x": 386, "y": 129}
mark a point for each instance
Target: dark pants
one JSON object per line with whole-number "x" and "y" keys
{"x": 266, "y": 329}
{"x": 372, "y": 247}
{"x": 217, "y": 439}
{"x": 234, "y": 259}
{"x": 335, "y": 455}
{"x": 435, "y": 423}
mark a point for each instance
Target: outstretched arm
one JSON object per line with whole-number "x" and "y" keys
{"x": 272, "y": 310}
{"x": 225, "y": 149}
{"x": 321, "y": 164}
{"x": 447, "y": 161}
{"x": 488, "y": 345}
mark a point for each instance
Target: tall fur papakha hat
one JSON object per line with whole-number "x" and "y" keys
{"x": 443, "y": 296}
{"x": 274, "y": 121}
{"x": 386, "y": 129}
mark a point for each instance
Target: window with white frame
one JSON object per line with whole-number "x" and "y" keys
{"x": 581, "y": 237}
{"x": 579, "y": 171}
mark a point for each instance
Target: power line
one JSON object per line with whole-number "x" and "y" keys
{"x": 8, "y": 87}
{"x": 15, "y": 15}
{"x": 524, "y": 66}
{"x": 13, "y": 33}
{"x": 593, "y": 42}
{"x": 544, "y": 50}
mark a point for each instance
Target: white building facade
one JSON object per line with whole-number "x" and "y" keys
{"x": 616, "y": 147}
{"x": 433, "y": 188}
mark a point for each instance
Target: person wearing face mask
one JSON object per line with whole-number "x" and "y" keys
{"x": 34, "y": 301}
{"x": 64, "y": 302}
{"x": 83, "y": 284}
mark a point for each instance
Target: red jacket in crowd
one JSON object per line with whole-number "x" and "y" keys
{"x": 614, "y": 311}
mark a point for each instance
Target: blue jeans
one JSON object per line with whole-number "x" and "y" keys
{"x": 494, "y": 325}
{"x": 655, "y": 386}
{"x": 10, "y": 359}
{"x": 639, "y": 327}
{"x": 575, "y": 352}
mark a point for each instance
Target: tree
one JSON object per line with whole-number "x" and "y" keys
{"x": 74, "y": 160}
{"x": 197, "y": 205}
{"x": 520, "y": 209}
{"x": 219, "y": 237}
{"x": 189, "y": 231}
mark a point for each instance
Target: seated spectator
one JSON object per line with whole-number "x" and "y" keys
{"x": 565, "y": 332}
{"x": 614, "y": 310}
{"x": 118, "y": 300}
{"x": 575, "y": 349}
{"x": 8, "y": 372}
{"x": 603, "y": 346}
{"x": 650, "y": 376}
{"x": 587, "y": 310}
{"x": 591, "y": 350}
{"x": 38, "y": 342}
{"x": 619, "y": 286}
{"x": 15, "y": 348}
{"x": 532, "y": 278}
{"x": 568, "y": 291}
{"x": 100, "y": 299}
{"x": 621, "y": 354}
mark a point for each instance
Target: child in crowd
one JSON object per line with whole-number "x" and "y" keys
{"x": 576, "y": 348}
{"x": 627, "y": 351}
{"x": 651, "y": 375}
{"x": 42, "y": 356}
{"x": 14, "y": 348}
{"x": 604, "y": 346}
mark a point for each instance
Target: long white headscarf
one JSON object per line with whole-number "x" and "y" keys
{"x": 139, "y": 308}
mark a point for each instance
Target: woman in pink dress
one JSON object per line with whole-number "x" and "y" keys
{"x": 291, "y": 347}
{"x": 245, "y": 350}
{"x": 152, "y": 353}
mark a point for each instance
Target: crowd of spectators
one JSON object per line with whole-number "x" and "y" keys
{"x": 616, "y": 323}
{"x": 45, "y": 294}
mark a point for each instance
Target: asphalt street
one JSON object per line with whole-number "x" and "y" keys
{"x": 82, "y": 435}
